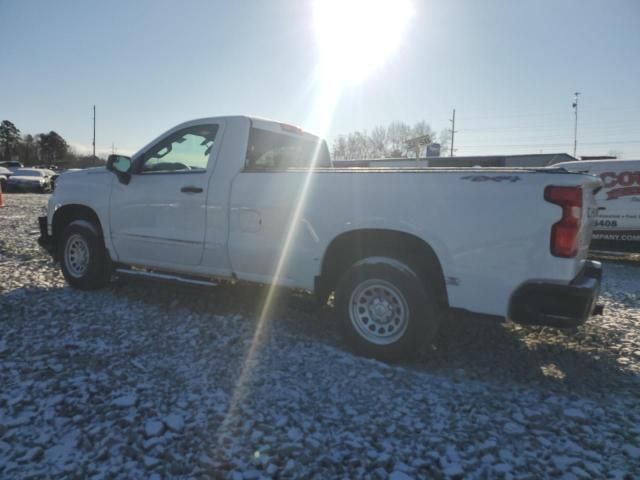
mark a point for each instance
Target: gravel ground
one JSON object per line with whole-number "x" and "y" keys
{"x": 150, "y": 380}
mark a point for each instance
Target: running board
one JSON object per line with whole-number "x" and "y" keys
{"x": 165, "y": 276}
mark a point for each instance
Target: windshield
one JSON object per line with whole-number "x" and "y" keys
{"x": 23, "y": 172}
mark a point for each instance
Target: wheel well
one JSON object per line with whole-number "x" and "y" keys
{"x": 349, "y": 247}
{"x": 68, "y": 213}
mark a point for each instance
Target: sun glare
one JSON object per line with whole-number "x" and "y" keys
{"x": 355, "y": 37}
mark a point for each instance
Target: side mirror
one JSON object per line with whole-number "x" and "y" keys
{"x": 121, "y": 166}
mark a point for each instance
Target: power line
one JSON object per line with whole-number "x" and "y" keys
{"x": 632, "y": 126}
{"x": 547, "y": 136}
{"x": 518, "y": 115}
{"x": 481, "y": 116}
{"x": 537, "y": 145}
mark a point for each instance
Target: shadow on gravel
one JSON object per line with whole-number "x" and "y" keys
{"x": 584, "y": 361}
{"x": 467, "y": 346}
{"x": 580, "y": 360}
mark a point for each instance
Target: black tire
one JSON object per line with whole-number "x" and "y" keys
{"x": 79, "y": 236}
{"x": 386, "y": 311}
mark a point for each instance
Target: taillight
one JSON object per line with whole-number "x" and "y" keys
{"x": 564, "y": 233}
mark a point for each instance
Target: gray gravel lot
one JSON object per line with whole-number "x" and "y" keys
{"x": 151, "y": 380}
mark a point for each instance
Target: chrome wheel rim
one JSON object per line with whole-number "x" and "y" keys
{"x": 379, "y": 312}
{"x": 76, "y": 255}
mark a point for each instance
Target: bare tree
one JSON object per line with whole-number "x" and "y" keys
{"x": 340, "y": 148}
{"x": 379, "y": 141}
{"x": 421, "y": 129}
{"x": 445, "y": 142}
{"x": 383, "y": 142}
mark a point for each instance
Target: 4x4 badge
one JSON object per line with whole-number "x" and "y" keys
{"x": 486, "y": 178}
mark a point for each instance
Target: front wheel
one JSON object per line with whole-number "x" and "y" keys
{"x": 386, "y": 310}
{"x": 82, "y": 256}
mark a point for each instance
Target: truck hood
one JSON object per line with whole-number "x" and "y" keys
{"x": 85, "y": 171}
{"x": 83, "y": 175}
{"x": 81, "y": 179}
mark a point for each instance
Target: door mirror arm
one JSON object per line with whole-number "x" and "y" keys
{"x": 120, "y": 165}
{"x": 123, "y": 178}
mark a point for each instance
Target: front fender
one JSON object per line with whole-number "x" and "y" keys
{"x": 88, "y": 188}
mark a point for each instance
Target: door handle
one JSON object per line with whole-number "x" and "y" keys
{"x": 191, "y": 189}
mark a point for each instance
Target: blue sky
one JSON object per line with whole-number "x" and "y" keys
{"x": 508, "y": 67}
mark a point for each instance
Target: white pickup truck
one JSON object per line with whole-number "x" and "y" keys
{"x": 254, "y": 200}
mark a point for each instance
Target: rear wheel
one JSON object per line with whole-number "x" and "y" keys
{"x": 386, "y": 310}
{"x": 82, "y": 256}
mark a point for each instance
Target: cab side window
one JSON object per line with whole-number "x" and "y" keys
{"x": 270, "y": 151}
{"x": 186, "y": 150}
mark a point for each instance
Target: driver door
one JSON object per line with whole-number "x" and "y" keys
{"x": 158, "y": 219}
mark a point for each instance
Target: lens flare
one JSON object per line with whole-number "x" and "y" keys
{"x": 321, "y": 116}
{"x": 355, "y": 37}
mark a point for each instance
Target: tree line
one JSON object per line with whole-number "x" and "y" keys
{"x": 389, "y": 141}
{"x": 43, "y": 149}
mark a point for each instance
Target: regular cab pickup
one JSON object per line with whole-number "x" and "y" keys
{"x": 254, "y": 200}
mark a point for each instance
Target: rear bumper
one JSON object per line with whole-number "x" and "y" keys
{"x": 558, "y": 305}
{"x": 45, "y": 240}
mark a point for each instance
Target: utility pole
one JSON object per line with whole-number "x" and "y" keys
{"x": 94, "y": 131}
{"x": 453, "y": 131}
{"x": 575, "y": 124}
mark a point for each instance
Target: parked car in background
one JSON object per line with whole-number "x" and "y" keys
{"x": 31, "y": 180}
{"x": 617, "y": 228}
{"x": 11, "y": 165}
{"x": 5, "y": 173}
